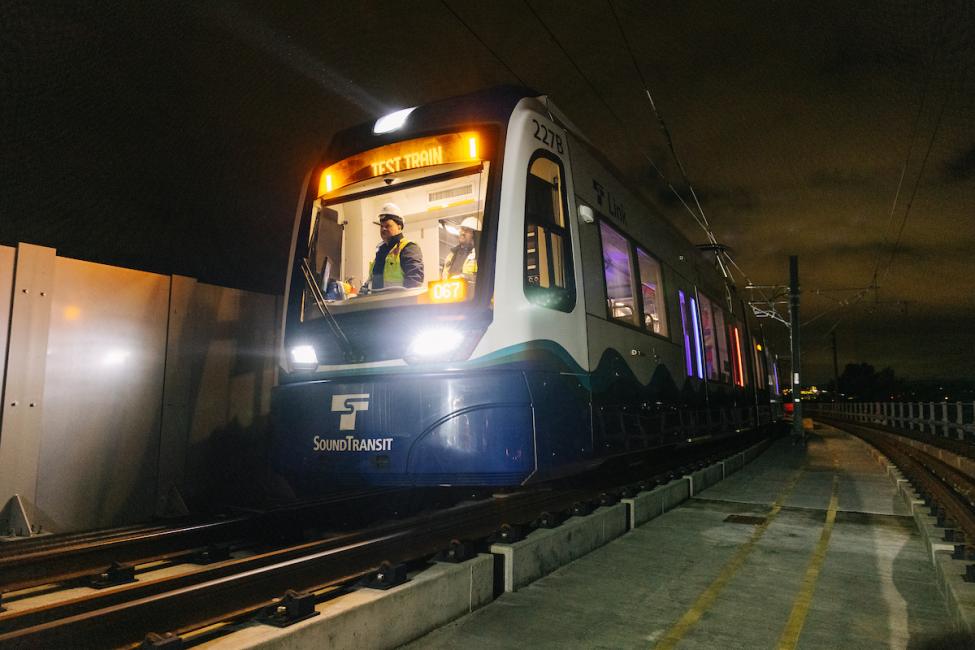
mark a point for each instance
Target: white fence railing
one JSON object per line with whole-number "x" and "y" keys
{"x": 948, "y": 419}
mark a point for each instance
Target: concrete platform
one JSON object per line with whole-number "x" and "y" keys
{"x": 821, "y": 551}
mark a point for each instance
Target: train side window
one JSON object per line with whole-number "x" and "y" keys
{"x": 721, "y": 334}
{"x": 689, "y": 327}
{"x": 710, "y": 346}
{"x": 761, "y": 373}
{"x": 549, "y": 280}
{"x": 618, "y": 270}
{"x": 651, "y": 288}
{"x": 737, "y": 364}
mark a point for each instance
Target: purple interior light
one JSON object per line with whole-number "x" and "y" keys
{"x": 697, "y": 338}
{"x": 687, "y": 340}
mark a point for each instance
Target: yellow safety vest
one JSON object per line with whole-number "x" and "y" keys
{"x": 469, "y": 270}
{"x": 392, "y": 271}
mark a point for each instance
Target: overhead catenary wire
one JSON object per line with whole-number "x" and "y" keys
{"x": 697, "y": 217}
{"x": 915, "y": 128}
{"x": 722, "y": 257}
{"x": 598, "y": 95}
{"x": 768, "y": 310}
{"x": 702, "y": 220}
{"x": 877, "y": 278}
{"x": 917, "y": 183}
{"x": 482, "y": 42}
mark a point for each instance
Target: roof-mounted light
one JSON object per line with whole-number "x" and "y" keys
{"x": 393, "y": 121}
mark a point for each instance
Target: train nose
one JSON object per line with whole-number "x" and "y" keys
{"x": 428, "y": 430}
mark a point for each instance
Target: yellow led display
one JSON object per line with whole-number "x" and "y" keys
{"x": 452, "y": 290}
{"x": 400, "y": 157}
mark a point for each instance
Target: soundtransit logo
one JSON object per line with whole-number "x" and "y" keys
{"x": 348, "y": 406}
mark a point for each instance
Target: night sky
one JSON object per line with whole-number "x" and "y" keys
{"x": 174, "y": 137}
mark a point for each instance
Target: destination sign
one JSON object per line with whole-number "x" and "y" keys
{"x": 400, "y": 157}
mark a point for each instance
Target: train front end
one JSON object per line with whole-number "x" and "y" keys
{"x": 377, "y": 386}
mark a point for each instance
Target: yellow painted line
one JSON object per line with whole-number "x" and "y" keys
{"x": 797, "y": 618}
{"x": 707, "y": 598}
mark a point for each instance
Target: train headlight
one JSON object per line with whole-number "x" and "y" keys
{"x": 434, "y": 344}
{"x": 393, "y": 121}
{"x": 303, "y": 357}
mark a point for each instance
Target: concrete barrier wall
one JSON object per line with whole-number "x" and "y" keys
{"x": 115, "y": 383}
{"x": 368, "y": 618}
{"x": 546, "y": 549}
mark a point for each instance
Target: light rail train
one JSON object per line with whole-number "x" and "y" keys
{"x": 581, "y": 327}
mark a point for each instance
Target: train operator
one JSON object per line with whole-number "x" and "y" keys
{"x": 462, "y": 259}
{"x": 398, "y": 262}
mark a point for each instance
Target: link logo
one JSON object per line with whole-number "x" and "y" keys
{"x": 348, "y": 406}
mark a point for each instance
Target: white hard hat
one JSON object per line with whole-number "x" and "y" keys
{"x": 472, "y": 223}
{"x": 391, "y": 210}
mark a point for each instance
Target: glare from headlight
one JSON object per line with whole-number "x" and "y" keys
{"x": 304, "y": 356}
{"x": 393, "y": 121}
{"x": 436, "y": 342}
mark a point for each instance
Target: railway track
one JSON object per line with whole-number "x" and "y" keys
{"x": 947, "y": 484}
{"x": 109, "y": 556}
{"x": 280, "y": 580}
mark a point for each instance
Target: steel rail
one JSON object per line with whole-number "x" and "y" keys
{"x": 123, "y": 617}
{"x": 87, "y": 554}
{"x": 52, "y": 540}
{"x": 61, "y": 564}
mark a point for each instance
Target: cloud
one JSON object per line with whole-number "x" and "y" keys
{"x": 961, "y": 167}
{"x": 840, "y": 179}
{"x": 713, "y": 198}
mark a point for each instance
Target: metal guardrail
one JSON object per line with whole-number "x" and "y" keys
{"x": 954, "y": 420}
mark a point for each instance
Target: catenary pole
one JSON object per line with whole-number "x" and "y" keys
{"x": 836, "y": 373}
{"x": 794, "y": 337}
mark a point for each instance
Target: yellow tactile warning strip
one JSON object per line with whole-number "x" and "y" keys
{"x": 707, "y": 598}
{"x": 790, "y": 635}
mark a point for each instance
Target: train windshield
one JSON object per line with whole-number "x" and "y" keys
{"x": 396, "y": 226}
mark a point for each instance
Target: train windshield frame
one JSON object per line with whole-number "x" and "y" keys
{"x": 440, "y": 186}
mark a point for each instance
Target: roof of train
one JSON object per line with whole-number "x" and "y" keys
{"x": 488, "y": 105}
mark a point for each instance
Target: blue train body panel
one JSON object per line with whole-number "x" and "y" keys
{"x": 475, "y": 428}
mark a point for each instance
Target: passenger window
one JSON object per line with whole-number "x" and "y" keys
{"x": 548, "y": 249}
{"x": 618, "y": 270}
{"x": 651, "y": 291}
{"x": 720, "y": 333}
{"x": 737, "y": 364}
{"x": 692, "y": 339}
{"x": 710, "y": 347}
{"x": 761, "y": 372}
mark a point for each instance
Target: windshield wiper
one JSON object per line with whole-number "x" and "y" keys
{"x": 351, "y": 353}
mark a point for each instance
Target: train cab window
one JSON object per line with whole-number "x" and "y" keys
{"x": 439, "y": 200}
{"x": 549, "y": 279}
{"x": 710, "y": 344}
{"x": 721, "y": 334}
{"x": 651, "y": 292}
{"x": 618, "y": 270}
